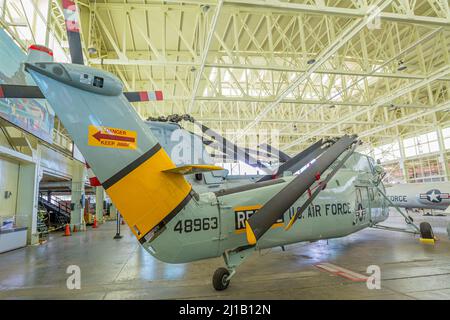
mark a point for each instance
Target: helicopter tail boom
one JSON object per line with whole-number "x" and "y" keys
{"x": 119, "y": 147}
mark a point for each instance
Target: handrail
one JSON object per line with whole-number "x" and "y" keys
{"x": 58, "y": 202}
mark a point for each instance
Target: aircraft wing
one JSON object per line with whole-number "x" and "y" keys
{"x": 258, "y": 224}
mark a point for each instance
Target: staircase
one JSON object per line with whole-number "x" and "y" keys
{"x": 57, "y": 209}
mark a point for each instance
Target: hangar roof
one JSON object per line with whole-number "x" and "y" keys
{"x": 300, "y": 69}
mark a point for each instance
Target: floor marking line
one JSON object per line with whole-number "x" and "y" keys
{"x": 339, "y": 271}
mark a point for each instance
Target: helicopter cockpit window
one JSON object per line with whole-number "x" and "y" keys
{"x": 358, "y": 196}
{"x": 358, "y": 162}
{"x": 372, "y": 164}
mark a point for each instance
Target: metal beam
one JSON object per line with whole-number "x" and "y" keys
{"x": 440, "y": 107}
{"x": 275, "y": 7}
{"x": 205, "y": 54}
{"x": 325, "y": 54}
{"x": 382, "y": 101}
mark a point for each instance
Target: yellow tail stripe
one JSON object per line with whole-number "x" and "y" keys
{"x": 146, "y": 195}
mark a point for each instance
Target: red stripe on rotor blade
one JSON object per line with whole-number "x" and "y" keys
{"x": 72, "y": 26}
{"x": 143, "y": 96}
{"x": 69, "y": 4}
{"x": 2, "y": 95}
{"x": 159, "y": 95}
{"x": 41, "y": 48}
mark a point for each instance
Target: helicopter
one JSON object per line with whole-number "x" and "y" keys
{"x": 339, "y": 193}
{"x": 176, "y": 224}
{"x": 434, "y": 195}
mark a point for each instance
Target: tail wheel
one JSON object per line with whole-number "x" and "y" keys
{"x": 426, "y": 232}
{"x": 219, "y": 279}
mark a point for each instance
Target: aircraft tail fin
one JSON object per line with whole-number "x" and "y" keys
{"x": 119, "y": 147}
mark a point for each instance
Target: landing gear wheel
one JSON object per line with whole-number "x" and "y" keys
{"x": 426, "y": 232}
{"x": 219, "y": 279}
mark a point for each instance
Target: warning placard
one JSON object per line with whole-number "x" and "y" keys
{"x": 112, "y": 137}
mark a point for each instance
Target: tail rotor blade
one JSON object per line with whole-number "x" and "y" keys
{"x": 141, "y": 96}
{"x": 73, "y": 31}
{"x": 33, "y": 92}
{"x": 14, "y": 91}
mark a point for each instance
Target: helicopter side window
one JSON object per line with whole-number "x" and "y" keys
{"x": 371, "y": 194}
{"x": 358, "y": 196}
{"x": 98, "y": 82}
{"x": 361, "y": 163}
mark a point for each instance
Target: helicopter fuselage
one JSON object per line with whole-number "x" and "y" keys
{"x": 215, "y": 222}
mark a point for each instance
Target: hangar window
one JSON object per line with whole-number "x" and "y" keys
{"x": 446, "y": 136}
{"x": 394, "y": 173}
{"x": 387, "y": 152}
{"x": 424, "y": 170}
{"x": 239, "y": 168}
{"x": 422, "y": 144}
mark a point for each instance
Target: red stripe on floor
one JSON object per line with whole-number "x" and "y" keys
{"x": 342, "y": 272}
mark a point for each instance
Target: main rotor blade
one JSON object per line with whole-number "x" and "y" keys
{"x": 283, "y": 157}
{"x": 73, "y": 31}
{"x": 298, "y": 161}
{"x": 258, "y": 224}
{"x": 20, "y": 91}
{"x": 232, "y": 149}
{"x": 262, "y": 153}
{"x": 322, "y": 186}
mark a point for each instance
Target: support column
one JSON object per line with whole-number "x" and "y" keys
{"x": 402, "y": 160}
{"x": 99, "y": 197}
{"x": 78, "y": 195}
{"x": 27, "y": 194}
{"x": 442, "y": 157}
{"x": 113, "y": 212}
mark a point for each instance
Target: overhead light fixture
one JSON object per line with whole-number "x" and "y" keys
{"x": 393, "y": 107}
{"x": 205, "y": 8}
{"x": 92, "y": 50}
{"x": 311, "y": 61}
{"x": 401, "y": 66}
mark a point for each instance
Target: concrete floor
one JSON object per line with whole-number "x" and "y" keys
{"x": 120, "y": 269}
